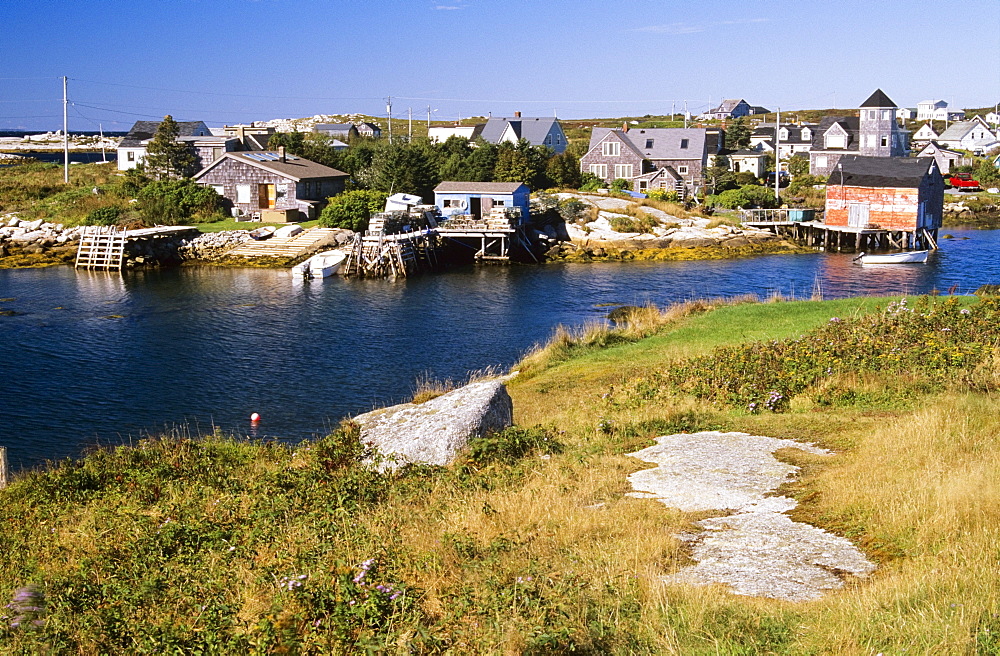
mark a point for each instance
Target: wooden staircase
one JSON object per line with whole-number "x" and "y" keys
{"x": 101, "y": 247}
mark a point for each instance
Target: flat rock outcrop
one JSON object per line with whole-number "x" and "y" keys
{"x": 756, "y": 550}
{"x": 435, "y": 431}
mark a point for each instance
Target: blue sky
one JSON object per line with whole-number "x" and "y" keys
{"x": 226, "y": 61}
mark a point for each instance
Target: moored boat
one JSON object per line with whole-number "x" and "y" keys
{"x": 905, "y": 257}
{"x": 262, "y": 232}
{"x": 320, "y": 265}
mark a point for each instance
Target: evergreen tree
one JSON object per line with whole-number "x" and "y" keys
{"x": 564, "y": 170}
{"x": 165, "y": 156}
{"x": 738, "y": 134}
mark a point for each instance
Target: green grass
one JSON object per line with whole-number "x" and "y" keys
{"x": 528, "y": 543}
{"x": 219, "y": 226}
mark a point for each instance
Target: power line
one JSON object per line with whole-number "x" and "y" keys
{"x": 216, "y": 93}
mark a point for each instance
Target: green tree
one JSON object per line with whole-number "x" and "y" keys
{"x": 718, "y": 177}
{"x": 798, "y": 165}
{"x": 738, "y": 134}
{"x": 170, "y": 202}
{"x": 564, "y": 170}
{"x": 401, "y": 167}
{"x": 165, "y": 156}
{"x": 352, "y": 209}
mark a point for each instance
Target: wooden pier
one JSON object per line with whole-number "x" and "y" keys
{"x": 378, "y": 255}
{"x": 837, "y": 239}
{"x": 304, "y": 243}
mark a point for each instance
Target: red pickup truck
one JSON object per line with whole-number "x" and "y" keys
{"x": 964, "y": 181}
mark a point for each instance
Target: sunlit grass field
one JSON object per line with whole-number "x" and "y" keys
{"x": 528, "y": 544}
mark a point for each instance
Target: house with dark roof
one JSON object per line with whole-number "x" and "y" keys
{"x": 946, "y": 159}
{"x": 251, "y": 137}
{"x": 793, "y": 138}
{"x": 205, "y": 146}
{"x": 369, "y": 130}
{"x": 890, "y": 193}
{"x": 729, "y": 108}
{"x": 629, "y": 154}
{"x": 540, "y": 131}
{"x": 480, "y": 198}
{"x": 873, "y": 133}
{"x": 273, "y": 183}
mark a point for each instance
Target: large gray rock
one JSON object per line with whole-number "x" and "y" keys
{"x": 434, "y": 432}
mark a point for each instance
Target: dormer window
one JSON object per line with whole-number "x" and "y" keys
{"x": 783, "y": 134}
{"x": 611, "y": 149}
{"x": 807, "y": 134}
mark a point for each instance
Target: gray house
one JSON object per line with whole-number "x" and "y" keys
{"x": 345, "y": 131}
{"x": 537, "y": 131}
{"x": 199, "y": 138}
{"x": 631, "y": 154}
{"x": 873, "y": 133}
{"x": 272, "y": 185}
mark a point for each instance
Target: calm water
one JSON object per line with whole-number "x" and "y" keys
{"x": 97, "y": 358}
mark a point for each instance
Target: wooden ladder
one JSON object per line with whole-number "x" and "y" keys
{"x": 101, "y": 247}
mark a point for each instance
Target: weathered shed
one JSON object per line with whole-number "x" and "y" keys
{"x": 255, "y": 182}
{"x": 480, "y": 198}
{"x": 890, "y": 193}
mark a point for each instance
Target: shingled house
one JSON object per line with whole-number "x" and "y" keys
{"x": 632, "y": 154}
{"x": 874, "y": 133}
{"x": 542, "y": 131}
{"x": 282, "y": 187}
{"x": 904, "y": 194}
{"x": 205, "y": 147}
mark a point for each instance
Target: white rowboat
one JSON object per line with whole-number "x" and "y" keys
{"x": 893, "y": 258}
{"x": 320, "y": 265}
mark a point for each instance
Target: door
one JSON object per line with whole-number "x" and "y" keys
{"x": 268, "y": 193}
{"x": 487, "y": 206}
{"x": 476, "y": 207}
{"x": 857, "y": 215}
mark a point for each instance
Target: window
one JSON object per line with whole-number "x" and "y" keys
{"x": 885, "y": 141}
{"x": 623, "y": 171}
{"x": 220, "y": 189}
{"x": 242, "y": 193}
{"x": 131, "y": 155}
{"x": 886, "y": 113}
{"x": 682, "y": 169}
{"x": 783, "y": 134}
{"x": 548, "y": 139}
{"x": 821, "y": 161}
{"x": 600, "y": 170}
{"x": 642, "y": 184}
{"x": 498, "y": 203}
{"x": 835, "y": 141}
{"x": 649, "y": 143}
{"x": 611, "y": 149}
{"x": 807, "y": 134}
{"x": 558, "y": 138}
{"x": 684, "y": 143}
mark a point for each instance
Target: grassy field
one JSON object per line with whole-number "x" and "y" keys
{"x": 527, "y": 544}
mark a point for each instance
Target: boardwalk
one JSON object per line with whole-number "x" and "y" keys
{"x": 304, "y": 243}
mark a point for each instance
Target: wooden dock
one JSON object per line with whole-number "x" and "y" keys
{"x": 377, "y": 255}
{"x": 103, "y": 247}
{"x": 304, "y": 243}
{"x": 821, "y": 236}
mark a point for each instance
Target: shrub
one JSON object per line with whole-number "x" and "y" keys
{"x": 746, "y": 178}
{"x": 512, "y": 444}
{"x": 746, "y": 196}
{"x": 572, "y": 209}
{"x": 802, "y": 182}
{"x": 352, "y": 209}
{"x": 663, "y": 195}
{"x": 169, "y": 202}
{"x": 590, "y": 182}
{"x": 620, "y": 184}
{"x": 109, "y": 215}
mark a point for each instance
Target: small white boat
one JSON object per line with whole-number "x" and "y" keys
{"x": 893, "y": 258}
{"x": 320, "y": 265}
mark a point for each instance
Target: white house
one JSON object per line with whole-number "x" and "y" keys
{"x": 205, "y": 146}
{"x": 926, "y": 109}
{"x": 906, "y": 113}
{"x": 924, "y": 135}
{"x": 542, "y": 131}
{"x": 440, "y": 135}
{"x": 974, "y": 135}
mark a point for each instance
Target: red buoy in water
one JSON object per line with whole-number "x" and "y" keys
{"x": 255, "y": 417}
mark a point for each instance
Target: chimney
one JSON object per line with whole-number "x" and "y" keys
{"x": 281, "y": 153}
{"x": 517, "y": 114}
{"x": 625, "y": 126}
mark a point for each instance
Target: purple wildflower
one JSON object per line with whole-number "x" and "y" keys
{"x": 27, "y": 606}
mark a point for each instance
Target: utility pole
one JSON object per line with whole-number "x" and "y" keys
{"x": 777, "y": 155}
{"x": 685, "y": 113}
{"x": 428, "y": 120}
{"x": 388, "y": 112}
{"x": 104, "y": 155}
{"x": 673, "y": 104}
{"x": 409, "y": 113}
{"x": 65, "y": 133}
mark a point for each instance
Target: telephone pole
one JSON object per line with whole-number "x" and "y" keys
{"x": 777, "y": 155}
{"x": 409, "y": 112}
{"x": 65, "y": 133}
{"x": 388, "y": 111}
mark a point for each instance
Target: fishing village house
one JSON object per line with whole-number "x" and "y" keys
{"x": 975, "y": 136}
{"x": 874, "y": 133}
{"x": 479, "y": 199}
{"x": 924, "y": 135}
{"x": 733, "y": 108}
{"x": 946, "y": 159}
{"x": 652, "y": 158}
{"x": 792, "y": 138}
{"x": 900, "y": 195}
{"x": 251, "y": 137}
{"x": 205, "y": 146}
{"x": 345, "y": 131}
{"x": 369, "y": 130}
{"x": 272, "y": 185}
{"x": 540, "y": 131}
{"x": 937, "y": 110}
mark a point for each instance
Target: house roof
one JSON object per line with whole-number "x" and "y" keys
{"x": 368, "y": 127}
{"x": 293, "y": 168}
{"x": 666, "y": 142}
{"x": 878, "y": 99}
{"x": 860, "y": 171}
{"x": 143, "y": 131}
{"x": 794, "y": 132}
{"x": 478, "y": 187}
{"x": 333, "y": 127}
{"x": 532, "y": 129}
{"x": 726, "y": 106}
{"x": 850, "y": 125}
{"x": 933, "y": 146}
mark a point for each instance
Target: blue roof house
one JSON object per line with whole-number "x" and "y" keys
{"x": 480, "y": 198}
